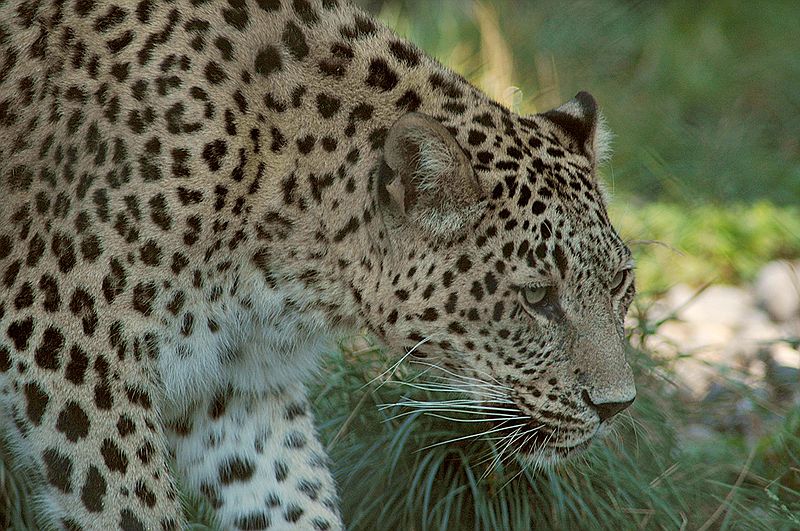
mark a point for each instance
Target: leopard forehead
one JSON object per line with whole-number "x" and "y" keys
{"x": 194, "y": 195}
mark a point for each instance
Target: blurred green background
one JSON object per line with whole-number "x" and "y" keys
{"x": 702, "y": 96}
{"x": 704, "y": 102}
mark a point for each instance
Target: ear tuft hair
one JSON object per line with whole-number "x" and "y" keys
{"x": 603, "y": 143}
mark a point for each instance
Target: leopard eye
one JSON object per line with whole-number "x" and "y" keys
{"x": 534, "y": 296}
{"x": 619, "y": 281}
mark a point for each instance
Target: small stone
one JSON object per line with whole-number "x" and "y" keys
{"x": 777, "y": 289}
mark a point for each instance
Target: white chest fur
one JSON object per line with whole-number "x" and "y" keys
{"x": 275, "y": 338}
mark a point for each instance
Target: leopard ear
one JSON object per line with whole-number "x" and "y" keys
{"x": 430, "y": 181}
{"x": 580, "y": 119}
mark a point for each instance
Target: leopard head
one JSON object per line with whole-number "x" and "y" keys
{"x": 503, "y": 268}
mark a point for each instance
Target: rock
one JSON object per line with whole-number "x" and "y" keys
{"x": 777, "y": 289}
{"x": 721, "y": 305}
{"x": 784, "y": 354}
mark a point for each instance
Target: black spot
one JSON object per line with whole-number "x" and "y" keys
{"x": 405, "y": 53}
{"x": 253, "y": 522}
{"x": 129, "y": 522}
{"x": 274, "y": 104}
{"x": 37, "y": 402}
{"x": 188, "y": 324}
{"x": 76, "y": 367}
{"x": 35, "y": 250}
{"x": 236, "y": 15}
{"x": 381, "y": 75}
{"x": 143, "y": 295}
{"x": 278, "y": 140}
{"x": 477, "y": 291}
{"x": 329, "y": 144}
{"x": 561, "y": 260}
{"x": 47, "y": 354}
{"x": 125, "y": 426}
{"x": 5, "y": 359}
{"x": 296, "y": 409}
{"x": 305, "y": 144}
{"x": 115, "y": 459}
{"x": 545, "y": 230}
{"x": 409, "y": 101}
{"x": 73, "y": 422}
{"x": 82, "y": 306}
{"x": 214, "y": 73}
{"x": 213, "y": 152}
{"x": 327, "y": 105}
{"x": 430, "y": 314}
{"x": 464, "y": 263}
{"x": 5, "y": 246}
{"x": 320, "y": 524}
{"x": 269, "y": 5}
{"x": 24, "y": 296}
{"x": 150, "y": 253}
{"x": 225, "y": 48}
{"x": 144, "y": 494}
{"x": 454, "y": 108}
{"x": 362, "y": 27}
{"x": 218, "y": 405}
{"x": 268, "y": 60}
{"x": 20, "y": 332}
{"x": 490, "y": 281}
{"x": 447, "y": 87}
{"x": 59, "y": 470}
{"x": 537, "y": 208}
{"x": 49, "y": 286}
{"x": 295, "y": 440}
{"x": 10, "y": 275}
{"x": 305, "y": 12}
{"x": 138, "y": 397}
{"x": 64, "y": 248}
{"x": 476, "y": 137}
{"x": 118, "y": 44}
{"x": 93, "y": 491}
{"x": 115, "y": 281}
{"x": 352, "y": 226}
{"x": 235, "y": 469}
{"x": 281, "y": 471}
{"x": 211, "y": 493}
{"x": 297, "y": 95}
{"x": 293, "y": 513}
{"x": 159, "y": 213}
{"x": 295, "y": 41}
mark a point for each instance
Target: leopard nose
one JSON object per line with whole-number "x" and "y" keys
{"x": 606, "y": 410}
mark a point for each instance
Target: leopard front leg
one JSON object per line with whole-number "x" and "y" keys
{"x": 257, "y": 460}
{"x": 96, "y": 451}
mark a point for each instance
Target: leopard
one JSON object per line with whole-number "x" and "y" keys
{"x": 198, "y": 198}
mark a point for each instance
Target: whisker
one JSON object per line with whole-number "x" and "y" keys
{"x": 498, "y": 419}
{"x": 459, "y": 377}
{"x": 391, "y": 370}
{"x": 471, "y": 436}
{"x": 466, "y": 408}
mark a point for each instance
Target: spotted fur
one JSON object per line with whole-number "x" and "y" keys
{"x": 196, "y": 196}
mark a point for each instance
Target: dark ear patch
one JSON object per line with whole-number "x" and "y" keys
{"x": 578, "y": 119}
